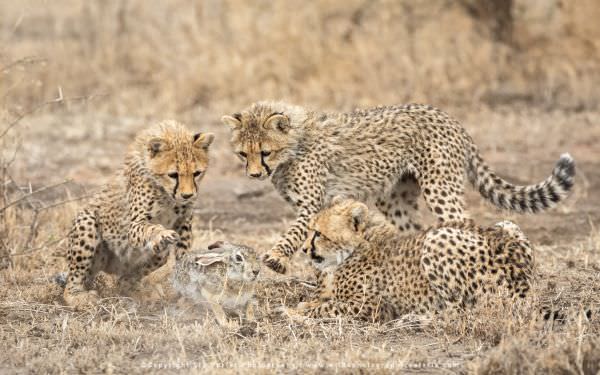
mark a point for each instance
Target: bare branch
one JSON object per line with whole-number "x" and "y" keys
{"x": 57, "y": 100}
{"x": 33, "y": 250}
{"x": 33, "y": 229}
{"x": 61, "y": 203}
{"x": 44, "y": 188}
{"x": 12, "y": 159}
{"x": 28, "y": 60}
{"x": 27, "y": 113}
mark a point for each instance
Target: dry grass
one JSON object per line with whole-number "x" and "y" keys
{"x": 79, "y": 79}
{"x": 570, "y": 354}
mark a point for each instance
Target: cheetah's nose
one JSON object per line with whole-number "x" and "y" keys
{"x": 187, "y": 196}
{"x": 255, "y": 175}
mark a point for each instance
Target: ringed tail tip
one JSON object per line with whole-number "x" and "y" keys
{"x": 566, "y": 163}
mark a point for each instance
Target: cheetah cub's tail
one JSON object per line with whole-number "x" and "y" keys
{"x": 521, "y": 199}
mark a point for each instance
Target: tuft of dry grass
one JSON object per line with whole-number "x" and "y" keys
{"x": 559, "y": 354}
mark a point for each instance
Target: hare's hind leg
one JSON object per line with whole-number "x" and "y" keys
{"x": 221, "y": 316}
{"x": 217, "y": 309}
{"x": 250, "y": 311}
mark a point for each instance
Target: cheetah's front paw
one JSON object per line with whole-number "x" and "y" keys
{"x": 276, "y": 261}
{"x": 162, "y": 240}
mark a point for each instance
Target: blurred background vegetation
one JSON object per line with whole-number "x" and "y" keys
{"x": 174, "y": 57}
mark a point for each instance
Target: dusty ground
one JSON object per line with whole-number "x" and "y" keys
{"x": 151, "y": 330}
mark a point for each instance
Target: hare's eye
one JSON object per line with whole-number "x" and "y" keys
{"x": 239, "y": 258}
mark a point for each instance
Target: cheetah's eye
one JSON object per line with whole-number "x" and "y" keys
{"x": 197, "y": 173}
{"x": 173, "y": 175}
{"x": 265, "y": 153}
{"x": 242, "y": 154}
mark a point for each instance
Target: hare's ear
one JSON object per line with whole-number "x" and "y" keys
{"x": 207, "y": 259}
{"x": 234, "y": 121}
{"x": 216, "y": 245}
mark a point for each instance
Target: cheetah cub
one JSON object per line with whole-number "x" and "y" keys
{"x": 385, "y": 156}
{"x": 223, "y": 277}
{"x": 130, "y": 226}
{"x": 371, "y": 271}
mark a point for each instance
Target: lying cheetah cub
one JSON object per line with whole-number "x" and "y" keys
{"x": 224, "y": 277}
{"x": 129, "y": 226}
{"x": 371, "y": 271}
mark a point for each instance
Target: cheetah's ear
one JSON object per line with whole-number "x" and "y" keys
{"x": 234, "y": 121}
{"x": 359, "y": 216}
{"x": 203, "y": 140}
{"x": 207, "y": 259}
{"x": 278, "y": 121}
{"x": 156, "y": 146}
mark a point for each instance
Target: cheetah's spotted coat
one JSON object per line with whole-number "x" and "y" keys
{"x": 384, "y": 274}
{"x": 385, "y": 156}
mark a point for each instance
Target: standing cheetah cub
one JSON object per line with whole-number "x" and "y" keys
{"x": 223, "y": 277}
{"x": 130, "y": 226}
{"x": 371, "y": 271}
{"x": 384, "y": 156}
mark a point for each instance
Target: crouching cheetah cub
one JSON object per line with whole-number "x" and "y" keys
{"x": 129, "y": 227}
{"x": 370, "y": 271}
